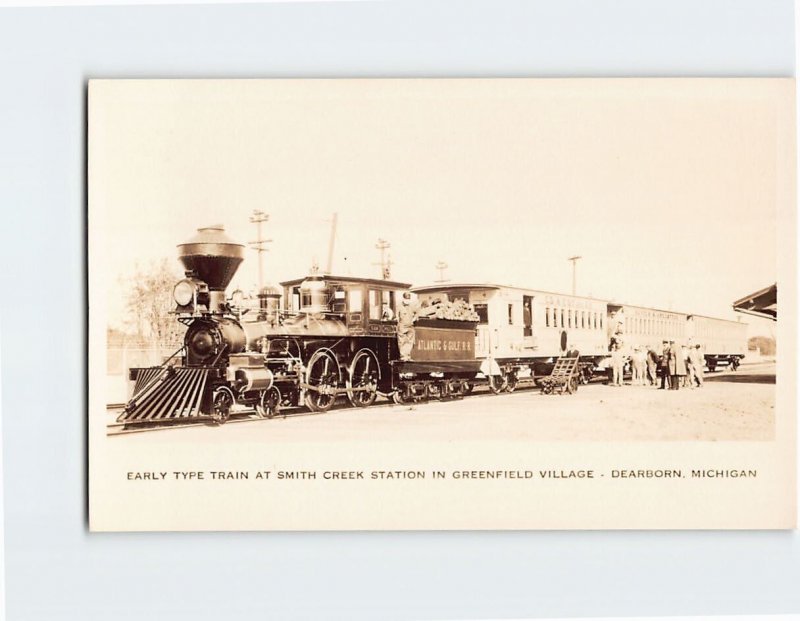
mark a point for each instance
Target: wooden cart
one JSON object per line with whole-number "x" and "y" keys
{"x": 564, "y": 377}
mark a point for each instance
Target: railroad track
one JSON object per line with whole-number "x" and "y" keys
{"x": 248, "y": 416}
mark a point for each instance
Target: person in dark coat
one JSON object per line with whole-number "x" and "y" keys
{"x": 666, "y": 380}
{"x": 677, "y": 365}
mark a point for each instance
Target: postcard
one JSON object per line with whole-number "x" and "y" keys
{"x": 441, "y": 304}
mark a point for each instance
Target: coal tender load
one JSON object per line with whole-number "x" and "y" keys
{"x": 458, "y": 310}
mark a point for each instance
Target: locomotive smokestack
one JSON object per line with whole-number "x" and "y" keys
{"x": 212, "y": 255}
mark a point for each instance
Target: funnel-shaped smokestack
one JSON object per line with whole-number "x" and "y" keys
{"x": 212, "y": 255}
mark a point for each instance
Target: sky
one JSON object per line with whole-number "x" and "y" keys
{"x": 668, "y": 189}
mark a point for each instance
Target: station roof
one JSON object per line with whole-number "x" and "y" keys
{"x": 761, "y": 303}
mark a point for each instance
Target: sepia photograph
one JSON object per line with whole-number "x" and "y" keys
{"x": 458, "y": 303}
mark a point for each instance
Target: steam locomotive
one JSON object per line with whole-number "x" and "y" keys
{"x": 337, "y": 336}
{"x": 323, "y": 337}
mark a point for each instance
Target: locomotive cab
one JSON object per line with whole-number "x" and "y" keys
{"x": 364, "y": 305}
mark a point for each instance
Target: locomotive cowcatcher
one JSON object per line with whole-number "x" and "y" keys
{"x": 334, "y": 336}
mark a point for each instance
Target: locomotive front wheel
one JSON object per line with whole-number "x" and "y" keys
{"x": 222, "y": 402}
{"x": 323, "y": 377}
{"x": 497, "y": 383}
{"x": 269, "y": 402}
{"x": 363, "y": 374}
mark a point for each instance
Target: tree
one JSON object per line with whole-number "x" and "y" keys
{"x": 765, "y": 344}
{"x": 149, "y": 305}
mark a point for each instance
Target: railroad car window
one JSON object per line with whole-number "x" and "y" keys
{"x": 583, "y": 319}
{"x": 374, "y": 304}
{"x": 296, "y": 299}
{"x": 483, "y": 313}
{"x": 547, "y": 317}
{"x": 356, "y": 302}
{"x": 511, "y": 314}
{"x": 562, "y": 323}
{"x": 388, "y": 303}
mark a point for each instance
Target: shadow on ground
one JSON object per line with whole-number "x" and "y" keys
{"x": 735, "y": 378}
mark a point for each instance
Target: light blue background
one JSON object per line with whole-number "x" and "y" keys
{"x": 56, "y": 570}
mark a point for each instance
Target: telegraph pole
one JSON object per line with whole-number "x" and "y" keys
{"x": 442, "y": 266}
{"x": 260, "y": 244}
{"x": 331, "y": 243}
{"x": 574, "y": 272}
{"x": 385, "y": 262}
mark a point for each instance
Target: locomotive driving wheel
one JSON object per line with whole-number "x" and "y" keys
{"x": 362, "y": 379}
{"x": 322, "y": 377}
{"x": 221, "y": 404}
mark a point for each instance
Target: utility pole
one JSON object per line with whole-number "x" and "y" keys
{"x": 442, "y": 266}
{"x": 385, "y": 262}
{"x": 260, "y": 244}
{"x": 574, "y": 272}
{"x": 331, "y": 243}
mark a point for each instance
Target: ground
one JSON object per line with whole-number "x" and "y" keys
{"x": 731, "y": 406}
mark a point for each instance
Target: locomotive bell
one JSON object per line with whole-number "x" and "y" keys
{"x": 212, "y": 256}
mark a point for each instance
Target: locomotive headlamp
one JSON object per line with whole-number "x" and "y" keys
{"x": 184, "y": 292}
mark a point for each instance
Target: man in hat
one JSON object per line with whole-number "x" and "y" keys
{"x": 406, "y": 335}
{"x": 666, "y": 380}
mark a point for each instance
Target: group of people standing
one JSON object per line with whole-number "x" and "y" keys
{"x": 679, "y": 366}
